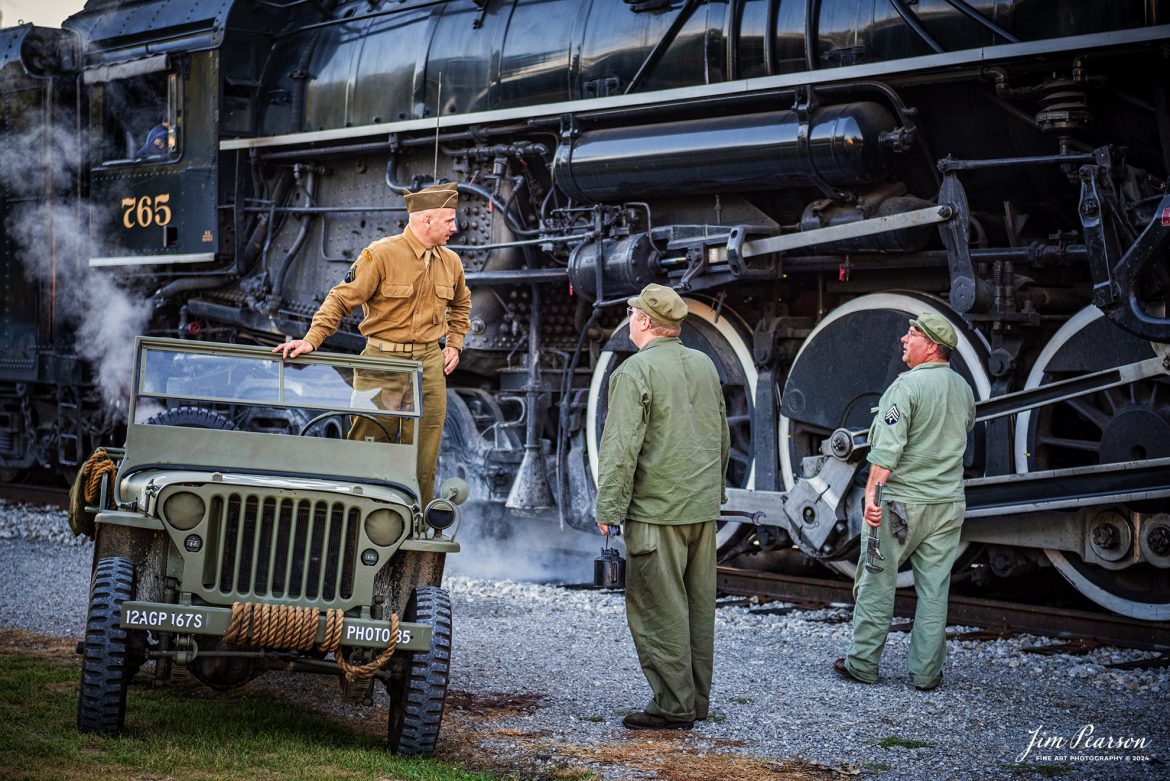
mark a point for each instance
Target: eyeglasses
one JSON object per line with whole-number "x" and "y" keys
{"x": 630, "y": 311}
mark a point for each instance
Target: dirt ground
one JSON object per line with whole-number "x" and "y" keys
{"x": 473, "y": 738}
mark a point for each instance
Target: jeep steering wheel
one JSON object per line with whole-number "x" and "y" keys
{"x": 326, "y": 415}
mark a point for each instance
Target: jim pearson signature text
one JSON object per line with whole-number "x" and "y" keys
{"x": 1083, "y": 740}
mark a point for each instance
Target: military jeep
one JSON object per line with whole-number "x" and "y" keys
{"x": 227, "y": 551}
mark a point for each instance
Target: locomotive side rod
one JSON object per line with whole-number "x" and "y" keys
{"x": 1002, "y": 496}
{"x": 737, "y": 246}
{"x": 848, "y": 445}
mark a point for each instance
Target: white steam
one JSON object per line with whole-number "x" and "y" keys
{"x": 512, "y": 546}
{"x": 47, "y": 226}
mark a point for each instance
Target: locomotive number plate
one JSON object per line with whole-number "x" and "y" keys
{"x": 175, "y": 620}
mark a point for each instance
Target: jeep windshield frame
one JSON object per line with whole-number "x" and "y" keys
{"x": 213, "y": 373}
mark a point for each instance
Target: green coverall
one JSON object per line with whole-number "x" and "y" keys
{"x": 919, "y": 433}
{"x": 660, "y": 476}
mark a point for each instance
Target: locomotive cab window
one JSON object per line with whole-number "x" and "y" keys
{"x": 137, "y": 118}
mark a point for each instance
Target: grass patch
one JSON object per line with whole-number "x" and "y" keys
{"x": 716, "y": 718}
{"x": 875, "y": 768}
{"x": 894, "y": 741}
{"x": 1036, "y": 769}
{"x": 739, "y": 700}
{"x": 171, "y": 735}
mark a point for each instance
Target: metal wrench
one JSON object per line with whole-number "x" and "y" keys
{"x": 873, "y": 548}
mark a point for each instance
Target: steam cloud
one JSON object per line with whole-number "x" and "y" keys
{"x": 511, "y": 546}
{"x": 51, "y": 240}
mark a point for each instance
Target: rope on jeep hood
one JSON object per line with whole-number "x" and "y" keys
{"x": 286, "y": 626}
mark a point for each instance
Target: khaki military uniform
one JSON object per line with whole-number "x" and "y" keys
{"x": 919, "y": 433}
{"x": 411, "y": 297}
{"x": 662, "y": 459}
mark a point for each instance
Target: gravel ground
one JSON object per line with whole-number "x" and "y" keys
{"x": 545, "y": 674}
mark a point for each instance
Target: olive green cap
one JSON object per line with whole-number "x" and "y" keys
{"x": 936, "y": 329}
{"x": 437, "y": 196}
{"x": 661, "y": 304}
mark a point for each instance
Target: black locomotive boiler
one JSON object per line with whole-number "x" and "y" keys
{"x": 807, "y": 173}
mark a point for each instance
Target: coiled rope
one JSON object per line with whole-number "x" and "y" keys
{"x": 286, "y": 626}
{"x": 98, "y": 466}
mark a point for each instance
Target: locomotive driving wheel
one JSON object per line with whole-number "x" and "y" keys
{"x": 1127, "y": 423}
{"x": 836, "y": 379}
{"x": 720, "y": 336}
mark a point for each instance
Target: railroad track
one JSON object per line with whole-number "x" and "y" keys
{"x": 1080, "y": 626}
{"x": 26, "y": 493}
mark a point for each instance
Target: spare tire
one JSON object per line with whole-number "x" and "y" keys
{"x": 192, "y": 417}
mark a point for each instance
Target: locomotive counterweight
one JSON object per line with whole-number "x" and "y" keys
{"x": 807, "y": 175}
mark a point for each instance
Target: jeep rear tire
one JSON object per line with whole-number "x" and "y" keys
{"x": 416, "y": 700}
{"x": 106, "y": 667}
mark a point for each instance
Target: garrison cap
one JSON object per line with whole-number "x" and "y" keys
{"x": 661, "y": 304}
{"x": 437, "y": 196}
{"x": 936, "y": 329}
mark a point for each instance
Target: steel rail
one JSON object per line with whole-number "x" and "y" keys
{"x": 1007, "y": 617}
{"x": 23, "y": 493}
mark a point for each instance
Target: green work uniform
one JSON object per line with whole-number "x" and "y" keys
{"x": 662, "y": 458}
{"x": 411, "y": 297}
{"x": 919, "y": 433}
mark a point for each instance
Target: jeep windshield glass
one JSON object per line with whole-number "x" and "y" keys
{"x": 237, "y": 374}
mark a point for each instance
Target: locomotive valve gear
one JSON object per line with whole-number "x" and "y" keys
{"x": 413, "y": 293}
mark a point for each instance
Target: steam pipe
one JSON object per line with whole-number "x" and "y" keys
{"x": 966, "y": 9}
{"x": 660, "y": 48}
{"x": 186, "y": 285}
{"x": 276, "y": 297}
{"x": 463, "y": 187}
{"x": 910, "y": 18}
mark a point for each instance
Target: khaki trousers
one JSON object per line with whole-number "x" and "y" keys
{"x": 434, "y": 412}
{"x": 670, "y": 606}
{"x": 931, "y": 544}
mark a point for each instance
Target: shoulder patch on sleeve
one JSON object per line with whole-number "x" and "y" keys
{"x": 365, "y": 256}
{"x": 893, "y": 415}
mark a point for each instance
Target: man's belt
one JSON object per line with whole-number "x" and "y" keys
{"x": 399, "y": 347}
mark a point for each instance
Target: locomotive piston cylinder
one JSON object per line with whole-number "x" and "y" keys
{"x": 837, "y": 146}
{"x": 627, "y": 266}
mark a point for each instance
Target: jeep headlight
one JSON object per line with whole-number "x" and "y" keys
{"x": 384, "y": 527}
{"x": 441, "y": 513}
{"x": 184, "y": 510}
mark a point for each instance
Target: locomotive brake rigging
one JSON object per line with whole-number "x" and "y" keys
{"x": 808, "y": 174}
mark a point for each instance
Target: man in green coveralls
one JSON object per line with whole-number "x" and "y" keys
{"x": 412, "y": 292}
{"x": 660, "y": 475}
{"x": 916, "y": 446}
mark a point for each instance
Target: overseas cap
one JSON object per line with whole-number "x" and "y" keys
{"x": 936, "y": 329}
{"x": 437, "y": 196}
{"x": 661, "y": 304}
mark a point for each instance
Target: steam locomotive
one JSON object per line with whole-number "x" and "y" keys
{"x": 807, "y": 174}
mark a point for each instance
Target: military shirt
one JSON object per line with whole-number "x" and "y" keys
{"x": 403, "y": 298}
{"x": 664, "y": 450}
{"x": 920, "y": 434}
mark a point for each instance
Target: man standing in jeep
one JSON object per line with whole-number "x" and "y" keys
{"x": 413, "y": 293}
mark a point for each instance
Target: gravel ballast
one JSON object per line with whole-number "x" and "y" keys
{"x": 546, "y": 674}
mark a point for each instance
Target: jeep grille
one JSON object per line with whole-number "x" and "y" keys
{"x": 266, "y": 546}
